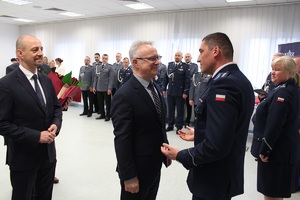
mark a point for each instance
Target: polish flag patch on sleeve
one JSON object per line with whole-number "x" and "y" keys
{"x": 280, "y": 99}
{"x": 220, "y": 97}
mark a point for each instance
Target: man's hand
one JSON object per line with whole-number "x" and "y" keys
{"x": 164, "y": 93}
{"x": 108, "y": 92}
{"x": 187, "y": 135}
{"x": 47, "y": 137}
{"x": 264, "y": 158}
{"x": 94, "y": 90}
{"x": 184, "y": 96}
{"x": 132, "y": 185}
{"x": 68, "y": 102}
{"x": 191, "y": 102}
{"x": 169, "y": 151}
{"x": 53, "y": 128}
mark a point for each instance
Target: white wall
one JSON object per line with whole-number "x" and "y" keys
{"x": 8, "y": 37}
{"x": 255, "y": 33}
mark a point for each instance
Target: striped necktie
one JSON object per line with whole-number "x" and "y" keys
{"x": 156, "y": 99}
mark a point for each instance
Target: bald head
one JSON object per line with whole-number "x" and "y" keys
{"x": 178, "y": 56}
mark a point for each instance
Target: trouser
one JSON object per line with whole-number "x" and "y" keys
{"x": 87, "y": 101}
{"x": 104, "y": 97}
{"x": 177, "y": 101}
{"x": 33, "y": 184}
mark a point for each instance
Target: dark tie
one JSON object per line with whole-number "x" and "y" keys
{"x": 156, "y": 99}
{"x": 38, "y": 90}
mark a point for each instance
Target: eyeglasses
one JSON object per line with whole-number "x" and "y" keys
{"x": 152, "y": 59}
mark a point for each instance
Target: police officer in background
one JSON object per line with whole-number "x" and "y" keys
{"x": 193, "y": 70}
{"x": 86, "y": 75}
{"x": 103, "y": 84}
{"x": 178, "y": 83}
{"x": 198, "y": 84}
{"x": 96, "y": 66}
{"x": 117, "y": 66}
{"x": 161, "y": 76}
{"x": 124, "y": 73}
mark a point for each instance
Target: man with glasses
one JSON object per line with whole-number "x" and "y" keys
{"x": 178, "y": 83}
{"x": 138, "y": 116}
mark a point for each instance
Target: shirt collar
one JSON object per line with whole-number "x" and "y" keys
{"x": 144, "y": 82}
{"x": 27, "y": 73}
{"x": 219, "y": 69}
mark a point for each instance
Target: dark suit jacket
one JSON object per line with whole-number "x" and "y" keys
{"x": 43, "y": 68}
{"x": 138, "y": 131}
{"x": 223, "y": 112}
{"x": 22, "y": 118}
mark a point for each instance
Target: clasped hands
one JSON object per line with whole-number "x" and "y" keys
{"x": 49, "y": 135}
{"x": 172, "y": 152}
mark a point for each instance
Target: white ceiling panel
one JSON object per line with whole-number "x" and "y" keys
{"x": 99, "y": 8}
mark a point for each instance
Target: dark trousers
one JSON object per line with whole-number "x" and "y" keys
{"x": 147, "y": 190}
{"x": 94, "y": 102}
{"x": 104, "y": 97}
{"x": 177, "y": 101}
{"x": 213, "y": 198}
{"x": 87, "y": 101}
{"x": 188, "y": 110}
{"x": 33, "y": 184}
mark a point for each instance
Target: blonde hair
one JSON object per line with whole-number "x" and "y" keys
{"x": 289, "y": 66}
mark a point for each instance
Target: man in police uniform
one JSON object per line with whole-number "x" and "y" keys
{"x": 161, "y": 76}
{"x": 193, "y": 69}
{"x": 96, "y": 66}
{"x": 103, "y": 85}
{"x": 178, "y": 83}
{"x": 117, "y": 66}
{"x": 125, "y": 73}
{"x": 216, "y": 162}
{"x": 86, "y": 76}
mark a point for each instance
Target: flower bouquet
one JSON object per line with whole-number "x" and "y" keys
{"x": 66, "y": 87}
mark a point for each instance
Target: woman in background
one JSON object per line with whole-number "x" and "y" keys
{"x": 275, "y": 135}
{"x": 60, "y": 69}
{"x": 52, "y": 65}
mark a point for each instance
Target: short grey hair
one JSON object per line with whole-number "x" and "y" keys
{"x": 133, "y": 51}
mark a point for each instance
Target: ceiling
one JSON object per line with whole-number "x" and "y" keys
{"x": 99, "y": 8}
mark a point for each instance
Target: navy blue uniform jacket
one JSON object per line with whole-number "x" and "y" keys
{"x": 276, "y": 127}
{"x": 22, "y": 118}
{"x": 216, "y": 163}
{"x": 178, "y": 80}
{"x": 138, "y": 131}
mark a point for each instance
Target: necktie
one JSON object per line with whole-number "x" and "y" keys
{"x": 38, "y": 90}
{"x": 156, "y": 99}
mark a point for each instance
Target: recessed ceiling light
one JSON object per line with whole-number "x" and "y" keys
{"x": 139, "y": 6}
{"x": 24, "y": 20}
{"x": 18, "y": 2}
{"x": 231, "y": 1}
{"x": 71, "y": 14}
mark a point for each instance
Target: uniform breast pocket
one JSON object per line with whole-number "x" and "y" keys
{"x": 180, "y": 71}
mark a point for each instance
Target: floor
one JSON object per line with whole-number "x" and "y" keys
{"x": 86, "y": 164}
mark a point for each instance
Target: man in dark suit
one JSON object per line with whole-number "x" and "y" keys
{"x": 138, "y": 116}
{"x": 178, "y": 83}
{"x": 30, "y": 119}
{"x": 216, "y": 162}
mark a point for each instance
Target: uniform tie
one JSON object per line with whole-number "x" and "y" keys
{"x": 38, "y": 90}
{"x": 156, "y": 99}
